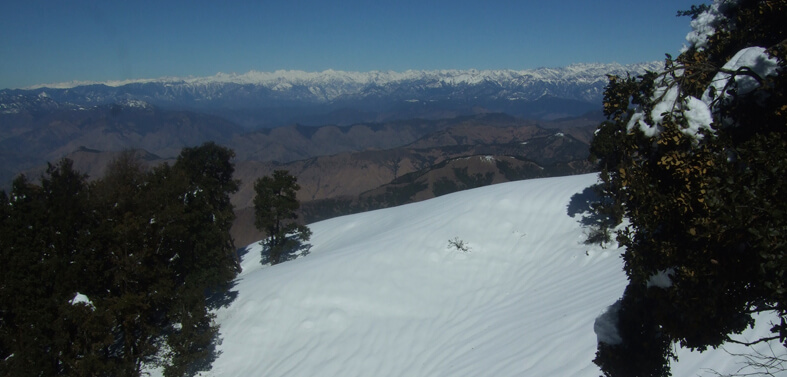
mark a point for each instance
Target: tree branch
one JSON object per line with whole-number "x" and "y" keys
{"x": 761, "y": 340}
{"x": 743, "y": 71}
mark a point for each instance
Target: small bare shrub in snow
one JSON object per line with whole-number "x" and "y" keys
{"x": 459, "y": 244}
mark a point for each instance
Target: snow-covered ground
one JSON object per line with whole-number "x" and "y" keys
{"x": 384, "y": 294}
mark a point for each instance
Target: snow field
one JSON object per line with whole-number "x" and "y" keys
{"x": 383, "y": 294}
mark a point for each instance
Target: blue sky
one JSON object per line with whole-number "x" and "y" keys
{"x": 57, "y": 41}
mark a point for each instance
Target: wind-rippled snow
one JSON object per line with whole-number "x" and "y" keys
{"x": 383, "y": 293}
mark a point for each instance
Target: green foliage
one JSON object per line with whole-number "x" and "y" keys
{"x": 143, "y": 246}
{"x": 694, "y": 12}
{"x": 707, "y": 205}
{"x": 204, "y": 255}
{"x": 191, "y": 343}
{"x": 275, "y": 206}
{"x": 644, "y": 350}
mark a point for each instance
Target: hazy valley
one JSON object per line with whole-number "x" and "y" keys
{"x": 356, "y": 141}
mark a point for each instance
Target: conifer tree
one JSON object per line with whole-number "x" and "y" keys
{"x": 42, "y": 234}
{"x": 137, "y": 283}
{"x": 204, "y": 257}
{"x": 275, "y": 206}
{"x": 24, "y": 303}
{"x": 145, "y": 248}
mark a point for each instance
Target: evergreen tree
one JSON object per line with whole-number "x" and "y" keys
{"x": 207, "y": 173}
{"x": 43, "y": 232}
{"x": 138, "y": 287}
{"x": 25, "y": 304}
{"x": 694, "y": 157}
{"x": 146, "y": 248}
{"x": 275, "y": 206}
{"x": 205, "y": 259}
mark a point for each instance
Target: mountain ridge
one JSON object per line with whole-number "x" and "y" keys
{"x": 278, "y": 79}
{"x": 272, "y": 99}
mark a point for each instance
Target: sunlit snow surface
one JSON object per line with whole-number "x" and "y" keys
{"x": 383, "y": 294}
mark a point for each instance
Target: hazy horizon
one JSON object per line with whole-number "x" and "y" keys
{"x": 87, "y": 41}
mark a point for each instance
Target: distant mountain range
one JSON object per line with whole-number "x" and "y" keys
{"x": 269, "y": 99}
{"x": 356, "y": 141}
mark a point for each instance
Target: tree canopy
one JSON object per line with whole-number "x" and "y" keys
{"x": 275, "y": 206}
{"x": 694, "y": 157}
{"x": 99, "y": 278}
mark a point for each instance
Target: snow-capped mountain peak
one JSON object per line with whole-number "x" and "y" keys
{"x": 306, "y": 96}
{"x": 582, "y": 72}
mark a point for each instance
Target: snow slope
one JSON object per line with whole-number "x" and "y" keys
{"x": 383, "y": 294}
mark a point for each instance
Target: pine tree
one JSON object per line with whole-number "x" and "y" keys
{"x": 275, "y": 206}
{"x": 24, "y": 303}
{"x": 205, "y": 259}
{"x": 146, "y": 247}
{"x": 45, "y": 231}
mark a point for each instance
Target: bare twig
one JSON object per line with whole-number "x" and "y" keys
{"x": 758, "y": 363}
